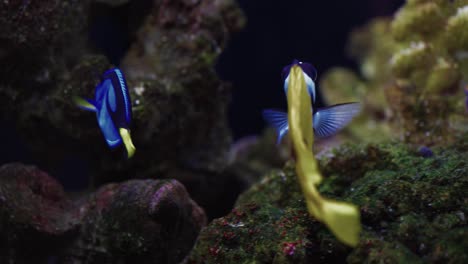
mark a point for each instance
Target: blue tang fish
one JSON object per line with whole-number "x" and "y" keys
{"x": 113, "y": 109}
{"x": 327, "y": 121}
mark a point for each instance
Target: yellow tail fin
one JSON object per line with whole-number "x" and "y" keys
{"x": 127, "y": 140}
{"x": 342, "y": 219}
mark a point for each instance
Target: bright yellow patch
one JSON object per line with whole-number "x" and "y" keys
{"x": 342, "y": 219}
{"x": 125, "y": 134}
{"x": 83, "y": 103}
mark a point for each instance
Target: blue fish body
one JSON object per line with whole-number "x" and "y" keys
{"x": 310, "y": 75}
{"x": 113, "y": 109}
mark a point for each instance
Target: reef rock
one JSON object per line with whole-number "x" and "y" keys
{"x": 151, "y": 221}
{"x": 38, "y": 39}
{"x": 179, "y": 103}
{"x": 413, "y": 210}
{"x": 32, "y": 209}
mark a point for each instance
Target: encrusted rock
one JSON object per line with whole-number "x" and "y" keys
{"x": 413, "y": 209}
{"x": 179, "y": 104}
{"x": 146, "y": 220}
{"x": 32, "y": 211}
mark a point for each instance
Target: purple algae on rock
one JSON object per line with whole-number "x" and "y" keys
{"x": 149, "y": 220}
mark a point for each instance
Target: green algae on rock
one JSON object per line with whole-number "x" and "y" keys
{"x": 413, "y": 209}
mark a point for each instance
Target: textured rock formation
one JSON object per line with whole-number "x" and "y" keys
{"x": 152, "y": 221}
{"x": 179, "y": 129}
{"x": 413, "y": 210}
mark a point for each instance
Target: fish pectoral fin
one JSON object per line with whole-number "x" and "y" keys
{"x": 329, "y": 120}
{"x": 85, "y": 104}
{"x": 278, "y": 120}
{"x": 127, "y": 140}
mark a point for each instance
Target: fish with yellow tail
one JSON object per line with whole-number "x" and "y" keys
{"x": 113, "y": 109}
{"x": 343, "y": 219}
{"x": 327, "y": 121}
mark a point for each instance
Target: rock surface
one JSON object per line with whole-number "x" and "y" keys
{"x": 413, "y": 210}
{"x": 152, "y": 221}
{"x": 179, "y": 104}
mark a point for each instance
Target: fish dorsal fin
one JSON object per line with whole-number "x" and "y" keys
{"x": 278, "y": 120}
{"x": 329, "y": 120}
{"x": 125, "y": 94}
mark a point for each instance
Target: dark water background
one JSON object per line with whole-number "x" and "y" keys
{"x": 276, "y": 32}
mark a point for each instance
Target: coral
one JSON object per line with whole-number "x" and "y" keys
{"x": 372, "y": 47}
{"x": 425, "y": 95}
{"x": 413, "y": 209}
{"x": 412, "y": 68}
{"x": 146, "y": 220}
